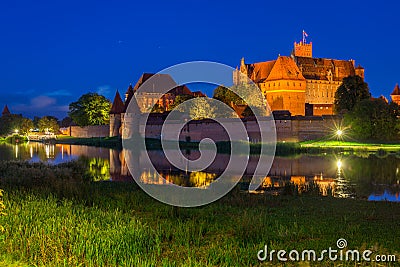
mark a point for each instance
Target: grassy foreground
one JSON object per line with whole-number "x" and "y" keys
{"x": 350, "y": 145}
{"x": 57, "y": 217}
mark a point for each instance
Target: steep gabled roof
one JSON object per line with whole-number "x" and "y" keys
{"x": 285, "y": 69}
{"x": 318, "y": 68}
{"x": 159, "y": 83}
{"x": 281, "y": 68}
{"x": 6, "y": 111}
{"x": 396, "y": 90}
{"x": 260, "y": 71}
{"x": 117, "y": 106}
{"x": 129, "y": 90}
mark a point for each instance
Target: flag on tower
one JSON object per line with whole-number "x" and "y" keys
{"x": 305, "y": 34}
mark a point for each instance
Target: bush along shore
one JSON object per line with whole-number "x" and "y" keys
{"x": 57, "y": 216}
{"x": 14, "y": 139}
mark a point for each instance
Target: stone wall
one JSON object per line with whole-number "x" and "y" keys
{"x": 88, "y": 131}
{"x": 294, "y": 129}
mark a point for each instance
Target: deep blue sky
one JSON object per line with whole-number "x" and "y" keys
{"x": 51, "y": 52}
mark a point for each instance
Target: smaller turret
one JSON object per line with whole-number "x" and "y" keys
{"x": 360, "y": 71}
{"x": 395, "y": 95}
{"x": 6, "y": 111}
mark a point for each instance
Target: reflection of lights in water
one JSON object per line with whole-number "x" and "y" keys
{"x": 339, "y": 165}
{"x": 343, "y": 187}
{"x": 31, "y": 151}
{"x": 16, "y": 151}
{"x": 49, "y": 149}
{"x": 62, "y": 152}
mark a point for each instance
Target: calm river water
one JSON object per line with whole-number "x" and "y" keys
{"x": 360, "y": 175}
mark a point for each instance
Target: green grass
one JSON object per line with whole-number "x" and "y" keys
{"x": 57, "y": 217}
{"x": 109, "y": 142}
{"x": 351, "y": 145}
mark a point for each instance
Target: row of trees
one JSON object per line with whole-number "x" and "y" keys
{"x": 16, "y": 123}
{"x": 90, "y": 109}
{"x": 367, "y": 118}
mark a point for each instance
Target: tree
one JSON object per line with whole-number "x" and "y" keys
{"x": 25, "y": 125}
{"x": 14, "y": 122}
{"x": 200, "y": 109}
{"x": 48, "y": 124}
{"x": 66, "y": 122}
{"x": 350, "y": 92}
{"x": 249, "y": 95}
{"x": 226, "y": 96}
{"x": 179, "y": 99}
{"x": 157, "y": 109}
{"x": 90, "y": 109}
{"x": 374, "y": 119}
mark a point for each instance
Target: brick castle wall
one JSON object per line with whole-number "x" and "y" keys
{"x": 88, "y": 131}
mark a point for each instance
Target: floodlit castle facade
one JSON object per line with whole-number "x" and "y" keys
{"x": 299, "y": 83}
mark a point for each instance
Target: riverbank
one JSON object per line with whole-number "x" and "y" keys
{"x": 57, "y": 216}
{"x": 351, "y": 145}
{"x": 282, "y": 148}
{"x": 14, "y": 139}
{"x": 108, "y": 142}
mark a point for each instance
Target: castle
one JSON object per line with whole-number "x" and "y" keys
{"x": 146, "y": 98}
{"x": 299, "y": 83}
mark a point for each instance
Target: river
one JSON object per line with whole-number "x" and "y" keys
{"x": 348, "y": 175}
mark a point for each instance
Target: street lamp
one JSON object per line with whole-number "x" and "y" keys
{"x": 339, "y": 133}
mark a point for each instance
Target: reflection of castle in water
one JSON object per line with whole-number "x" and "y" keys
{"x": 378, "y": 178}
{"x": 299, "y": 171}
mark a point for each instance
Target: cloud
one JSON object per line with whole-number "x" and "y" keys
{"x": 59, "y": 93}
{"x": 104, "y": 90}
{"x": 42, "y": 101}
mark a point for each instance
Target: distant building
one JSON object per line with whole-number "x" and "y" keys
{"x": 299, "y": 83}
{"x": 6, "y": 111}
{"x": 395, "y": 95}
{"x": 147, "y": 97}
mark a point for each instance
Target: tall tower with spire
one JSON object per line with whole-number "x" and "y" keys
{"x": 116, "y": 111}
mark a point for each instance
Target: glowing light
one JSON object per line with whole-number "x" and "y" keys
{"x": 339, "y": 164}
{"x": 339, "y": 133}
{"x": 16, "y": 131}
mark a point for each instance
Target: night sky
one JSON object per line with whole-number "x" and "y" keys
{"x": 52, "y": 52}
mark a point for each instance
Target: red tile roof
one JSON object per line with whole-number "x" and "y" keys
{"x": 6, "y": 111}
{"x": 282, "y": 68}
{"x": 396, "y": 90}
{"x": 117, "y": 106}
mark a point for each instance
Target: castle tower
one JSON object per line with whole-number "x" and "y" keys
{"x": 395, "y": 95}
{"x": 129, "y": 93}
{"x": 302, "y": 49}
{"x": 6, "y": 111}
{"x": 240, "y": 76}
{"x": 359, "y": 71}
{"x": 115, "y": 115}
